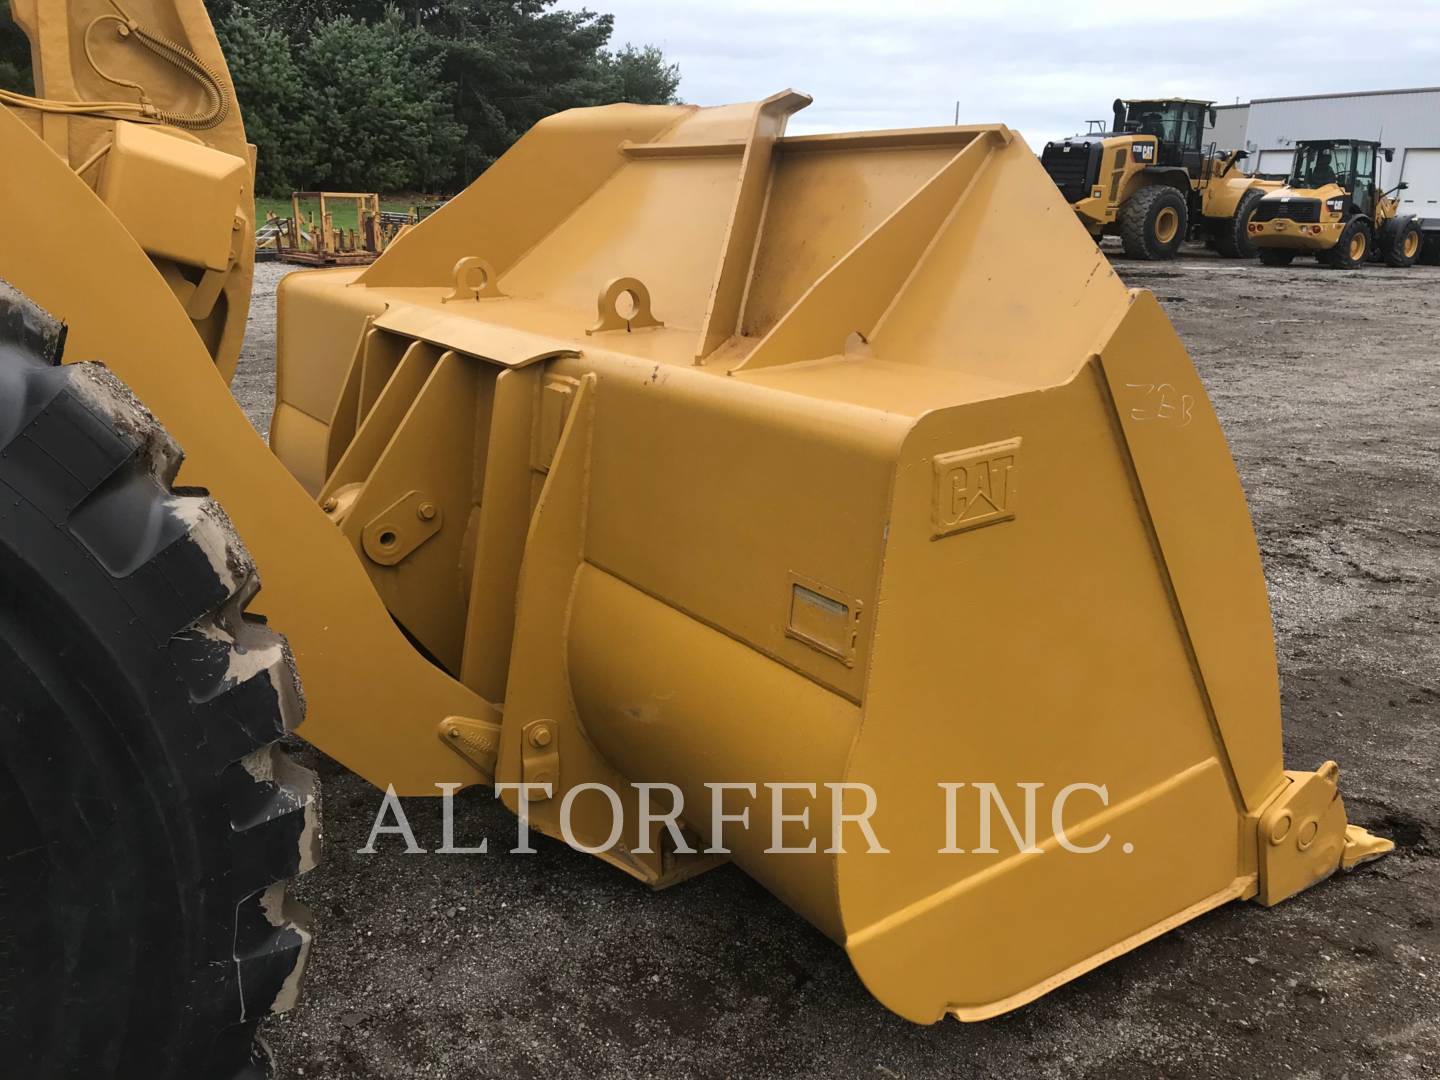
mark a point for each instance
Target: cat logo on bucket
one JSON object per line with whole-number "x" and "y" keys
{"x": 975, "y": 487}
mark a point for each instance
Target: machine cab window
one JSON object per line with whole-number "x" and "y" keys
{"x": 1177, "y": 125}
{"x": 1318, "y": 164}
{"x": 1350, "y": 165}
{"x": 1363, "y": 190}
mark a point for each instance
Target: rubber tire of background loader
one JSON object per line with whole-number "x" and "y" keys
{"x": 1339, "y": 257}
{"x": 1270, "y": 256}
{"x": 1138, "y": 219}
{"x": 1232, "y": 238}
{"x": 1391, "y": 243}
{"x": 146, "y": 814}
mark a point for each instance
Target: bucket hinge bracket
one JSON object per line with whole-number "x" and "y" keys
{"x": 540, "y": 756}
{"x": 477, "y": 741}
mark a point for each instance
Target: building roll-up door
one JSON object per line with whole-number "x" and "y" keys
{"x": 1421, "y": 171}
{"x": 1275, "y": 162}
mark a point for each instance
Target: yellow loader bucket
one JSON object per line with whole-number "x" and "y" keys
{"x": 842, "y": 464}
{"x": 835, "y": 480}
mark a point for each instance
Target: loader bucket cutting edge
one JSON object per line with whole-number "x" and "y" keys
{"x": 852, "y": 488}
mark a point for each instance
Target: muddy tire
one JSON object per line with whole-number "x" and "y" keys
{"x": 1399, "y": 242}
{"x": 1153, "y": 223}
{"x": 1232, "y": 238}
{"x": 1352, "y": 249}
{"x": 1276, "y": 256}
{"x": 147, "y": 819}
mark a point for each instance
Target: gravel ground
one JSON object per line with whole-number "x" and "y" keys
{"x": 554, "y": 965}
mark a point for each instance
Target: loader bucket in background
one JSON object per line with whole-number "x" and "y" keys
{"x": 716, "y": 456}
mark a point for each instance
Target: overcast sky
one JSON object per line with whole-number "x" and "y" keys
{"x": 1042, "y": 67}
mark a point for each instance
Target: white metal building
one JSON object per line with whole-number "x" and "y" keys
{"x": 1228, "y": 131}
{"x": 1406, "y": 120}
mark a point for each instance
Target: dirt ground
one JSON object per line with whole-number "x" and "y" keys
{"x": 556, "y": 966}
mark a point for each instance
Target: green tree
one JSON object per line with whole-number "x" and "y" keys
{"x": 641, "y": 75}
{"x": 514, "y": 62}
{"x": 14, "y": 55}
{"x": 383, "y": 115}
{"x": 429, "y": 90}
{"x": 293, "y": 18}
{"x": 273, "y": 100}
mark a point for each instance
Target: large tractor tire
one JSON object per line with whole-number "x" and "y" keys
{"x": 1399, "y": 242}
{"x": 1276, "y": 256}
{"x": 1352, "y": 249}
{"x": 148, "y": 821}
{"x": 1232, "y": 238}
{"x": 1153, "y": 223}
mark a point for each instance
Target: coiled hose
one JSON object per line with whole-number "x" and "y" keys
{"x": 217, "y": 97}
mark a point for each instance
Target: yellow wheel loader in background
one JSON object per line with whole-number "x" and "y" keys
{"x": 651, "y": 458}
{"x": 1332, "y": 207}
{"x": 1151, "y": 182}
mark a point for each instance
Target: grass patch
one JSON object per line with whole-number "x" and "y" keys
{"x": 342, "y": 211}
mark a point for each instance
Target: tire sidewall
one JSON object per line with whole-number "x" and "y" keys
{"x": 1242, "y": 245}
{"x": 150, "y": 817}
{"x": 1167, "y": 199}
{"x": 113, "y": 817}
{"x": 1340, "y": 257}
{"x": 1394, "y": 251}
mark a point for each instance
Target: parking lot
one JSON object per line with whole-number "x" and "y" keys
{"x": 1328, "y": 384}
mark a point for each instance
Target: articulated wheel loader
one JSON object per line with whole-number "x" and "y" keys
{"x": 1151, "y": 182}
{"x": 656, "y": 457}
{"x": 1332, "y": 207}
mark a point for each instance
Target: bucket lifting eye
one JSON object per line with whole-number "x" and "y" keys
{"x": 636, "y": 313}
{"x": 474, "y": 280}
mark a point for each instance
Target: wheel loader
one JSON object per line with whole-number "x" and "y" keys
{"x": 652, "y": 462}
{"x": 1151, "y": 181}
{"x": 1332, "y": 207}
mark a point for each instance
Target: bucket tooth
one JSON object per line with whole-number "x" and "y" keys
{"x": 1362, "y": 846}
